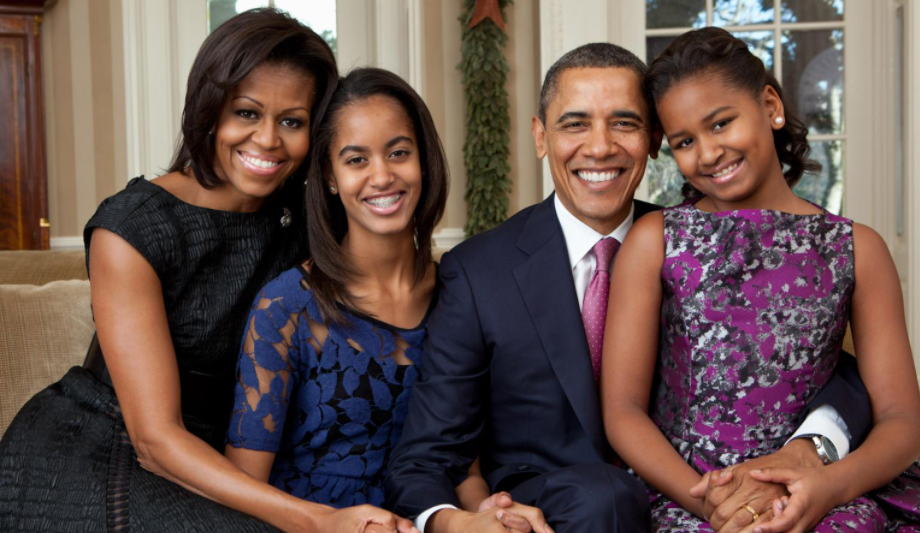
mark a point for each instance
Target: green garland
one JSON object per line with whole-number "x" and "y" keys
{"x": 488, "y": 123}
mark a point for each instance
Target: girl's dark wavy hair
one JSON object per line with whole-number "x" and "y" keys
{"x": 327, "y": 224}
{"x": 228, "y": 55}
{"x": 714, "y": 51}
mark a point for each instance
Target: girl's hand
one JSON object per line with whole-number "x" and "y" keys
{"x": 364, "y": 519}
{"x": 812, "y": 496}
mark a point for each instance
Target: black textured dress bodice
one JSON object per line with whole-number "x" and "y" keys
{"x": 210, "y": 264}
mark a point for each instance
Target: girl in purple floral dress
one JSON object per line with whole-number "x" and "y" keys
{"x": 739, "y": 301}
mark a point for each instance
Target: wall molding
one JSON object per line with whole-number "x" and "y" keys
{"x": 74, "y": 242}
{"x": 447, "y": 238}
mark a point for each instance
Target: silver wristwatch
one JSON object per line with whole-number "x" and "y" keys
{"x": 827, "y": 452}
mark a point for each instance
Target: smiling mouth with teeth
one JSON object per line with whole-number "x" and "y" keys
{"x": 261, "y": 163}
{"x": 725, "y": 171}
{"x": 596, "y": 177}
{"x": 384, "y": 201}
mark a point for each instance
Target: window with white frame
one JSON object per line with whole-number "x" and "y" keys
{"x": 319, "y": 15}
{"x": 808, "y": 61}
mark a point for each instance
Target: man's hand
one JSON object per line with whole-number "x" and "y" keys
{"x": 724, "y": 497}
{"x": 515, "y": 516}
{"x": 459, "y": 521}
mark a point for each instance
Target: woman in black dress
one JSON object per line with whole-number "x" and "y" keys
{"x": 174, "y": 263}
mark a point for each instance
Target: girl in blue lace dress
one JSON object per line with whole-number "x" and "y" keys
{"x": 739, "y": 301}
{"x": 329, "y": 355}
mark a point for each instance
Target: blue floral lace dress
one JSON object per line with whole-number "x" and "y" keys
{"x": 330, "y": 400}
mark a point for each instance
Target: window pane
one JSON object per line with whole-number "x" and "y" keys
{"x": 220, "y": 11}
{"x": 813, "y": 77}
{"x": 826, "y": 188}
{"x": 654, "y": 46}
{"x": 675, "y": 13}
{"x": 761, "y": 43}
{"x": 741, "y": 12}
{"x": 319, "y": 15}
{"x": 664, "y": 178}
{"x": 811, "y": 10}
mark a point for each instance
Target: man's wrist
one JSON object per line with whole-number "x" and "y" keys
{"x": 804, "y": 452}
{"x": 448, "y": 520}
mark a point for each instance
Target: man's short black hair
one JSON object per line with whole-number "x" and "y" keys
{"x": 591, "y": 55}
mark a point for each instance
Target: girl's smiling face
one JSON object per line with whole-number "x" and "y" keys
{"x": 375, "y": 166}
{"x": 722, "y": 138}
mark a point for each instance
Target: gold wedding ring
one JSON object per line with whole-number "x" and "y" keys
{"x": 751, "y": 510}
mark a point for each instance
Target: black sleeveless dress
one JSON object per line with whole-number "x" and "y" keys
{"x": 66, "y": 463}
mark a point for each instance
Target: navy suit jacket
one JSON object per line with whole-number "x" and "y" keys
{"x": 507, "y": 374}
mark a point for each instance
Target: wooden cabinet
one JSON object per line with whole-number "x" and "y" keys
{"x": 23, "y": 183}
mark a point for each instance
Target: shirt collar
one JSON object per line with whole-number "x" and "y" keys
{"x": 580, "y": 238}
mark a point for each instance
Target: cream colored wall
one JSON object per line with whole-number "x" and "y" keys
{"x": 82, "y": 69}
{"x": 443, "y": 93}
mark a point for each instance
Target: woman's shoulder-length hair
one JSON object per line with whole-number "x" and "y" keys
{"x": 227, "y": 56}
{"x": 327, "y": 222}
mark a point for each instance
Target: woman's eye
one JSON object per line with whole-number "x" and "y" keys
{"x": 354, "y": 160}
{"x": 720, "y": 124}
{"x": 399, "y": 153}
{"x": 247, "y": 114}
{"x": 292, "y": 123}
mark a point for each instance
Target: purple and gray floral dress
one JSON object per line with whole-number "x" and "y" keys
{"x": 754, "y": 311}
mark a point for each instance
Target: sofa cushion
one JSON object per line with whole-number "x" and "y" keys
{"x": 37, "y": 267}
{"x": 44, "y": 330}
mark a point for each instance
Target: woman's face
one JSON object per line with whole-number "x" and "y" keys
{"x": 262, "y": 134}
{"x": 375, "y": 166}
{"x": 722, "y": 136}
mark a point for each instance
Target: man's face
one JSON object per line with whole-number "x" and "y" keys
{"x": 597, "y": 137}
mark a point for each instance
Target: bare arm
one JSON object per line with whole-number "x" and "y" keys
{"x": 473, "y": 490}
{"x": 629, "y": 365}
{"x": 886, "y": 367}
{"x": 133, "y": 331}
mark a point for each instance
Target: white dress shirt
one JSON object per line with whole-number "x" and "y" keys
{"x": 579, "y": 241}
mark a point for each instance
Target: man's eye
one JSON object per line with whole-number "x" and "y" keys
{"x": 575, "y": 125}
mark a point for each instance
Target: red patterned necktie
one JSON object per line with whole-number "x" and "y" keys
{"x": 594, "y": 309}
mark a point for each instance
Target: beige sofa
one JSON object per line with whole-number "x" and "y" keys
{"x": 46, "y": 323}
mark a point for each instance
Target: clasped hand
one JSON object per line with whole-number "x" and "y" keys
{"x": 787, "y": 490}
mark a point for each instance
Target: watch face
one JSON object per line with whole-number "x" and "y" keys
{"x": 830, "y": 449}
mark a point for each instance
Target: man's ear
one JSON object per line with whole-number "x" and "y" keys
{"x": 539, "y": 136}
{"x": 654, "y": 143}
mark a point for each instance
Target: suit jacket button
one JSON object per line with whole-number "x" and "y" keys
{"x": 522, "y": 468}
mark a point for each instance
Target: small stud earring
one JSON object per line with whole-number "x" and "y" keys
{"x": 332, "y": 189}
{"x": 778, "y": 120}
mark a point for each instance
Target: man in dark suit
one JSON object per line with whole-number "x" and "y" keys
{"x": 508, "y": 374}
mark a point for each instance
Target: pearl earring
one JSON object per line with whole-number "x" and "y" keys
{"x": 332, "y": 189}
{"x": 778, "y": 120}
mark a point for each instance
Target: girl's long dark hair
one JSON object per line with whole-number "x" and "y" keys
{"x": 327, "y": 224}
{"x": 228, "y": 55}
{"x": 715, "y": 51}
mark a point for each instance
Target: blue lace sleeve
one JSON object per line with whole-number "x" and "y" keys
{"x": 267, "y": 373}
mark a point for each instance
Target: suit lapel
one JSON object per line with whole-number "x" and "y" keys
{"x": 545, "y": 282}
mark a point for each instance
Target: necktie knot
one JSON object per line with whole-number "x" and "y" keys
{"x": 604, "y": 251}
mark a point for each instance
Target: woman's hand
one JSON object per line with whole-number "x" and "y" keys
{"x": 813, "y": 496}
{"x": 363, "y": 519}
